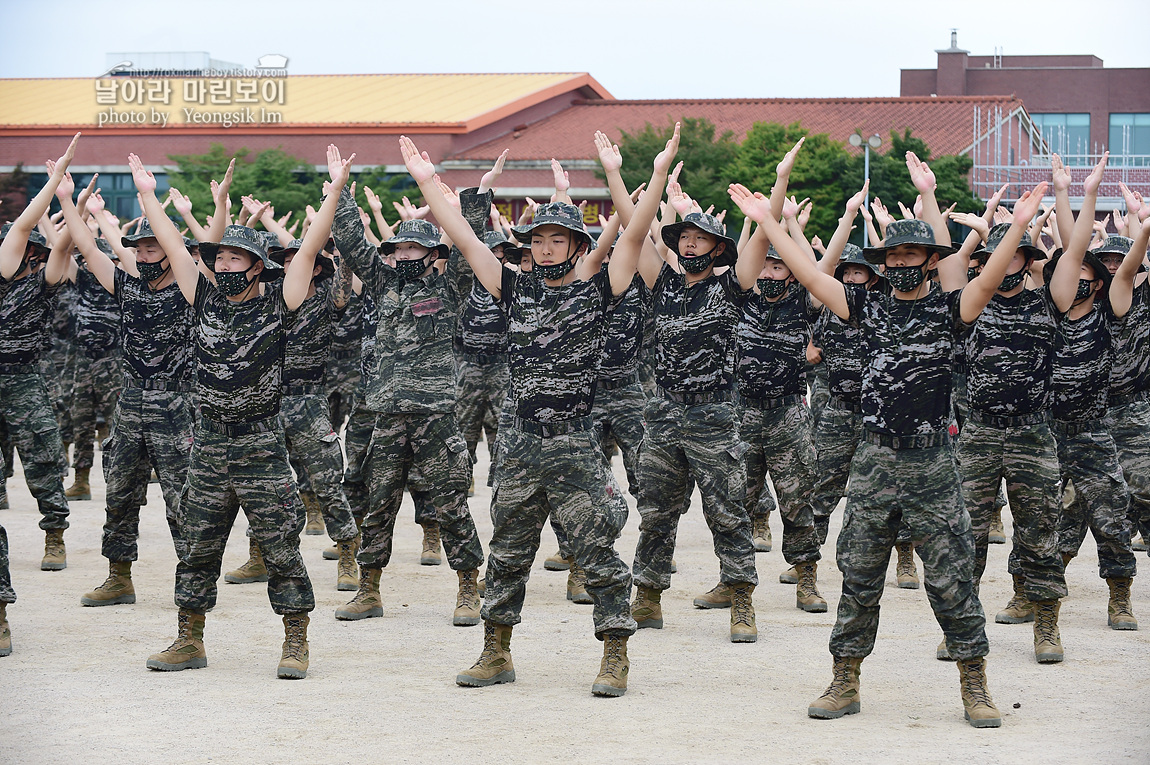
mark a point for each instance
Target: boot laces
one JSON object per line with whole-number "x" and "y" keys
{"x": 807, "y": 587}
{"x": 468, "y": 591}
{"x": 110, "y": 582}
{"x": 54, "y": 544}
{"x": 431, "y": 539}
{"x": 612, "y": 657}
{"x": 346, "y": 560}
{"x": 974, "y": 684}
{"x": 841, "y": 680}
{"x": 294, "y": 639}
{"x": 1045, "y": 621}
{"x": 905, "y": 564}
{"x": 1121, "y": 598}
{"x": 490, "y": 645}
{"x": 741, "y": 610}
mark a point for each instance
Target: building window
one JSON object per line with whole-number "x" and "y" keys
{"x": 1067, "y": 134}
{"x": 1130, "y": 139}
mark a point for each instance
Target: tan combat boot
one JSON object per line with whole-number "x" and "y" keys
{"x": 577, "y": 585}
{"x": 942, "y": 653}
{"x": 55, "y": 555}
{"x": 1119, "y": 611}
{"x": 79, "y": 490}
{"x": 647, "y": 610}
{"x": 904, "y": 569}
{"x": 761, "y": 533}
{"x": 1018, "y": 609}
{"x": 430, "y": 555}
{"x": 314, "y": 525}
{"x": 294, "y": 658}
{"x": 494, "y": 665}
{"x": 252, "y": 571}
{"x": 842, "y": 696}
{"x": 366, "y": 602}
{"x": 718, "y": 596}
{"x": 1047, "y": 642}
{"x": 790, "y": 576}
{"x": 467, "y": 602}
{"x": 557, "y": 562}
{"x": 116, "y": 589}
{"x": 5, "y": 632}
{"x": 978, "y": 707}
{"x": 743, "y": 629}
{"x": 331, "y": 553}
{"x": 347, "y": 575}
{"x": 997, "y": 534}
{"x": 188, "y": 650}
{"x": 1138, "y": 544}
{"x": 807, "y": 597}
{"x": 612, "y": 678}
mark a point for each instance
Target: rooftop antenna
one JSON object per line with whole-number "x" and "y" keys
{"x": 953, "y": 38}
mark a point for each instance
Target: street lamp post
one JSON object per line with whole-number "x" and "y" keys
{"x": 873, "y": 142}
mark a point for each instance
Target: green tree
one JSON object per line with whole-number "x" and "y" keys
{"x": 704, "y": 157}
{"x": 273, "y": 175}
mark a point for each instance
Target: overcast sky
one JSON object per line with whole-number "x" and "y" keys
{"x": 635, "y": 48}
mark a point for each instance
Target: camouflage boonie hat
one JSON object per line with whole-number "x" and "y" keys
{"x": 279, "y": 254}
{"x": 36, "y": 239}
{"x": 906, "y": 232}
{"x": 106, "y": 248}
{"x": 1090, "y": 259}
{"x": 1117, "y": 245}
{"x": 144, "y": 232}
{"x": 248, "y": 240}
{"x": 189, "y": 243}
{"x": 995, "y": 236}
{"x": 708, "y": 224}
{"x": 555, "y": 214}
{"x": 419, "y": 231}
{"x": 853, "y": 256}
{"x": 511, "y": 252}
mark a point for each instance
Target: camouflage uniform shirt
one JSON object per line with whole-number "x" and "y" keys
{"x": 158, "y": 327}
{"x": 625, "y": 332}
{"x": 1083, "y": 357}
{"x": 1131, "y": 370}
{"x": 97, "y": 316}
{"x": 310, "y": 336}
{"x": 482, "y": 325}
{"x": 906, "y": 387}
{"x": 772, "y": 344}
{"x": 240, "y": 352}
{"x": 695, "y": 330}
{"x": 555, "y": 340}
{"x": 1010, "y": 355}
{"x": 844, "y": 348}
{"x": 63, "y": 319}
{"x": 25, "y": 307}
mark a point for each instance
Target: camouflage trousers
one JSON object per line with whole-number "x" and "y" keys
{"x": 314, "y": 447}
{"x": 780, "y": 441}
{"x": 1130, "y": 427}
{"x": 95, "y": 387}
{"x": 820, "y": 392}
{"x": 33, "y": 432}
{"x": 566, "y": 476}
{"x": 432, "y": 443}
{"x": 1094, "y": 497}
{"x": 151, "y": 429}
{"x": 224, "y": 473}
{"x": 618, "y": 416}
{"x": 922, "y": 488}
{"x": 341, "y": 380}
{"x": 1026, "y": 457}
{"x": 7, "y": 594}
{"x": 6, "y": 450}
{"x": 58, "y": 365}
{"x": 479, "y": 393}
{"x": 701, "y": 444}
{"x": 357, "y": 439}
{"x": 420, "y": 497}
{"x": 837, "y": 435}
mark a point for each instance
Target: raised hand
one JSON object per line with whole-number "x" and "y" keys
{"x": 1027, "y": 206}
{"x": 342, "y": 172}
{"x": 562, "y": 178}
{"x": 489, "y": 179}
{"x": 674, "y": 176}
{"x": 721, "y": 216}
{"x": 855, "y": 203}
{"x": 374, "y": 202}
{"x": 882, "y": 216}
{"x": 679, "y": 200}
{"x": 920, "y": 173}
{"x": 1094, "y": 180}
{"x": 96, "y": 204}
{"x": 1133, "y": 201}
{"x": 755, "y": 206}
{"x": 805, "y": 208}
{"x": 609, "y": 156}
{"x": 1059, "y": 175}
{"x": 638, "y": 192}
{"x": 419, "y": 164}
{"x": 790, "y": 208}
{"x": 225, "y": 185}
{"x": 61, "y": 164}
{"x": 906, "y": 214}
{"x": 448, "y": 192}
{"x": 182, "y": 204}
{"x": 787, "y": 163}
{"x": 66, "y": 187}
{"x": 972, "y": 221}
{"x": 664, "y": 158}
{"x": 145, "y": 181}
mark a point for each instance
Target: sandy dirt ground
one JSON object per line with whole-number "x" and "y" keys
{"x": 382, "y": 690}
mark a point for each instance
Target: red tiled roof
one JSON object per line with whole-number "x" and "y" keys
{"x": 945, "y": 124}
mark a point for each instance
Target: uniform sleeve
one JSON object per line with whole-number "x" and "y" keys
{"x": 118, "y": 276}
{"x": 204, "y": 291}
{"x": 507, "y": 288}
{"x": 364, "y": 258}
{"x": 954, "y": 310}
{"x": 731, "y": 286}
{"x": 475, "y": 208}
{"x": 856, "y": 302}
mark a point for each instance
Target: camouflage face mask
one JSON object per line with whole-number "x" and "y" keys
{"x": 411, "y": 269}
{"x": 232, "y": 283}
{"x": 905, "y": 278}
{"x": 150, "y": 272}
{"x": 1085, "y": 287}
{"x": 1010, "y": 281}
{"x": 772, "y": 288}
{"x": 697, "y": 264}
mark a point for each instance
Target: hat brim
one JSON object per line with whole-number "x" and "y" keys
{"x": 441, "y": 250}
{"x": 670, "y": 235}
{"x": 877, "y": 255}
{"x": 1037, "y": 253}
{"x": 1090, "y": 259}
{"x": 326, "y": 264}
{"x": 523, "y": 233}
{"x": 270, "y": 273}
